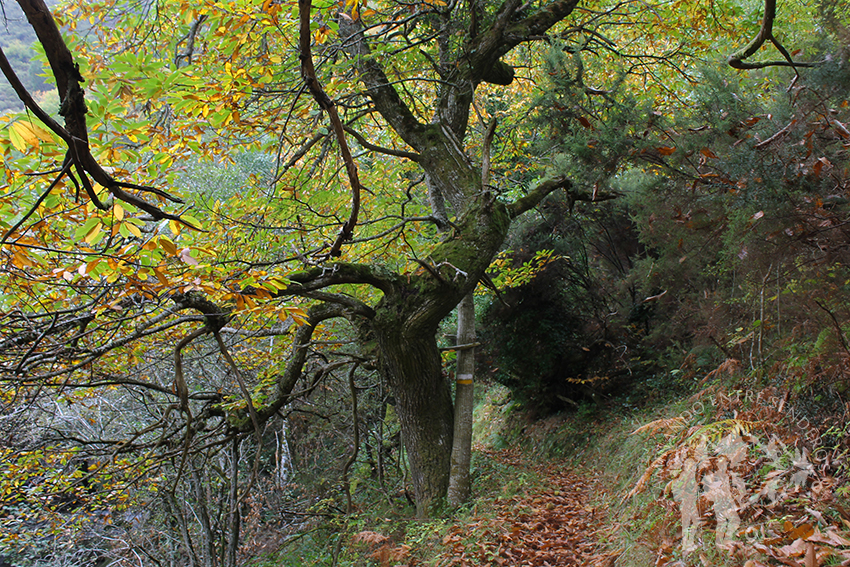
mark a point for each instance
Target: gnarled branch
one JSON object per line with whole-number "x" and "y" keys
{"x": 308, "y": 73}
{"x": 73, "y": 109}
{"x": 737, "y": 60}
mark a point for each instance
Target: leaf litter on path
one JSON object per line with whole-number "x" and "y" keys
{"x": 552, "y": 527}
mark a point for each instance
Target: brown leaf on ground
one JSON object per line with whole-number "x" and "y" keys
{"x": 555, "y": 527}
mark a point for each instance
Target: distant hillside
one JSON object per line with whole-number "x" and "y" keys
{"x": 18, "y": 41}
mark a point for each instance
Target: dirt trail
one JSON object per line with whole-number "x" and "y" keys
{"x": 555, "y": 527}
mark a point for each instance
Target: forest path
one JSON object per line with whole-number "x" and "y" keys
{"x": 550, "y": 524}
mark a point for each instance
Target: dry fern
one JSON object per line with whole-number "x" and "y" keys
{"x": 370, "y": 537}
{"x": 659, "y": 463}
{"x": 672, "y": 459}
{"x": 670, "y": 425}
{"x": 729, "y": 367}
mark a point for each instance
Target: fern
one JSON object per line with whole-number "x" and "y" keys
{"x": 715, "y": 431}
{"x": 672, "y": 459}
{"x": 669, "y": 425}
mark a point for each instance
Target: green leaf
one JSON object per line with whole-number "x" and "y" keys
{"x": 87, "y": 227}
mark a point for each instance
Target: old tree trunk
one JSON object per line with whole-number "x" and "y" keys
{"x": 407, "y": 317}
{"x": 406, "y": 324}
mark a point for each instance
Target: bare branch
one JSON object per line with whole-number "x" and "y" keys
{"x": 736, "y": 60}
{"x": 378, "y": 86}
{"x": 537, "y": 194}
{"x": 242, "y": 387}
{"x": 485, "y": 153}
{"x": 308, "y": 73}
{"x": 379, "y": 149}
{"x": 356, "y": 442}
{"x": 295, "y": 365}
{"x": 339, "y": 273}
{"x": 65, "y": 168}
{"x": 180, "y": 385}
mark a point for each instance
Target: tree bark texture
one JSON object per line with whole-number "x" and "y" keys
{"x": 459, "y": 487}
{"x": 424, "y": 406}
{"x": 405, "y": 324}
{"x": 234, "y": 517}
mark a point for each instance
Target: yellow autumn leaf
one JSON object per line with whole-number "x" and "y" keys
{"x": 15, "y": 137}
{"x": 32, "y": 133}
{"x": 92, "y": 265}
{"x": 118, "y": 212}
{"x": 24, "y": 134}
{"x": 134, "y": 230}
{"x": 322, "y": 34}
{"x": 92, "y": 234}
{"x": 160, "y": 276}
{"x": 298, "y": 315}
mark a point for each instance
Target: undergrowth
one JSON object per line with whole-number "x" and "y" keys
{"x": 757, "y": 473}
{"x": 782, "y": 453}
{"x": 384, "y": 533}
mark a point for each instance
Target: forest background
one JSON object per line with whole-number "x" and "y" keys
{"x": 230, "y": 278}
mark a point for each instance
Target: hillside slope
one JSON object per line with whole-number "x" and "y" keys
{"x": 751, "y": 476}
{"x": 18, "y": 41}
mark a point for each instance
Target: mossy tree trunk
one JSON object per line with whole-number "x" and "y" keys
{"x": 424, "y": 406}
{"x": 405, "y": 325}
{"x": 406, "y": 319}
